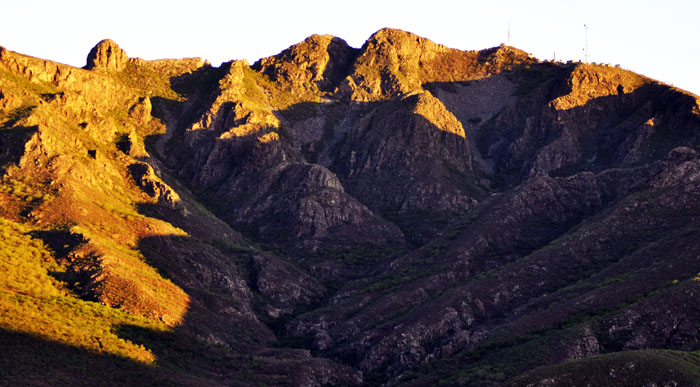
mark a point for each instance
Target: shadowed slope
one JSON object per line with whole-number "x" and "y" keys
{"x": 399, "y": 213}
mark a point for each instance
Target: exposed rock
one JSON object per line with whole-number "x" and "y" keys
{"x": 323, "y": 373}
{"x": 141, "y": 111}
{"x": 588, "y": 82}
{"x": 132, "y": 144}
{"x": 406, "y": 156}
{"x": 319, "y": 62}
{"x": 107, "y": 56}
{"x": 229, "y": 113}
{"x": 153, "y": 186}
{"x": 394, "y": 62}
{"x": 284, "y": 285}
{"x": 9, "y": 102}
{"x": 474, "y": 103}
{"x": 308, "y": 208}
{"x": 588, "y": 126}
{"x": 681, "y": 154}
{"x": 416, "y": 213}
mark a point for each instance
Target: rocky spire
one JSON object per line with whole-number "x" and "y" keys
{"x": 108, "y": 56}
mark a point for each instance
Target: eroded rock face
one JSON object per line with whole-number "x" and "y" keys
{"x": 153, "y": 186}
{"x": 394, "y": 63}
{"x": 443, "y": 322}
{"x": 141, "y": 111}
{"x": 320, "y": 61}
{"x": 286, "y": 286}
{"x": 303, "y": 205}
{"x": 107, "y": 56}
{"x": 511, "y": 174}
{"x": 590, "y": 118}
{"x": 399, "y": 213}
{"x": 403, "y": 154}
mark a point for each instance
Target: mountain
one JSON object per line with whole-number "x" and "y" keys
{"x": 399, "y": 214}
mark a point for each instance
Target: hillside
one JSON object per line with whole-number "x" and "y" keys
{"x": 399, "y": 214}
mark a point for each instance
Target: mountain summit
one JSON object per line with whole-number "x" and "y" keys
{"x": 107, "y": 55}
{"x": 399, "y": 214}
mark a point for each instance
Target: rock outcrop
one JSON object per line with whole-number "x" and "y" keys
{"x": 317, "y": 63}
{"x": 146, "y": 179}
{"x": 107, "y": 56}
{"x": 393, "y": 63}
{"x": 402, "y": 154}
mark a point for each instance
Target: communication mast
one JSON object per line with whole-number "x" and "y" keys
{"x": 585, "y": 50}
{"x": 508, "y": 41}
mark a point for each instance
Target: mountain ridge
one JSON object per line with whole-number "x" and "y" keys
{"x": 401, "y": 213}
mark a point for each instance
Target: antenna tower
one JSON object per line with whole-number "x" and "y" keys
{"x": 585, "y": 50}
{"x": 508, "y": 41}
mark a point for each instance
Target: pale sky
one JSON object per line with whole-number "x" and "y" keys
{"x": 655, "y": 38}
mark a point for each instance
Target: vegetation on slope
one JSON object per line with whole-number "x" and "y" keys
{"x": 35, "y": 302}
{"x": 418, "y": 225}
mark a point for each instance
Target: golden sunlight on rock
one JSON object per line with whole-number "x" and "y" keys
{"x": 403, "y": 213}
{"x": 434, "y": 111}
{"x": 269, "y": 137}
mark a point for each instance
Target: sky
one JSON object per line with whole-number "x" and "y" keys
{"x": 654, "y": 38}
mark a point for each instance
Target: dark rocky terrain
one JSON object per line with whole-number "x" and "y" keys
{"x": 399, "y": 214}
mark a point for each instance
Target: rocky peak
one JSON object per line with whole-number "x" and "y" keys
{"x": 399, "y": 49}
{"x": 107, "y": 56}
{"x": 320, "y": 61}
{"x": 504, "y": 57}
{"x": 395, "y": 37}
{"x": 394, "y": 63}
{"x": 587, "y": 82}
{"x": 390, "y": 65}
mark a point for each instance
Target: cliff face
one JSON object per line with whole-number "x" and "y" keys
{"x": 402, "y": 213}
